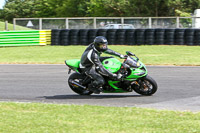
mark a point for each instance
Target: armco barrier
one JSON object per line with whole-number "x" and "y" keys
{"x": 127, "y": 36}
{"x": 25, "y": 38}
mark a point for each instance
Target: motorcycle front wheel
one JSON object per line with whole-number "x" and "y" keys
{"x": 146, "y": 86}
{"x": 78, "y": 78}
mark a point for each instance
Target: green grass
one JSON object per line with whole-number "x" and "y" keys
{"x": 10, "y": 27}
{"x": 150, "y": 55}
{"x": 55, "y": 118}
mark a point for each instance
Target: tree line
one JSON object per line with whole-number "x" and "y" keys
{"x": 97, "y": 8}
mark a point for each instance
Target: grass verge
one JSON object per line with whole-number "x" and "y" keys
{"x": 52, "y": 118}
{"x": 150, "y": 55}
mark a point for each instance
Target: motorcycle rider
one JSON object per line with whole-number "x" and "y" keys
{"x": 91, "y": 65}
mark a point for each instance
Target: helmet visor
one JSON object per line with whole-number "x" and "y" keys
{"x": 103, "y": 46}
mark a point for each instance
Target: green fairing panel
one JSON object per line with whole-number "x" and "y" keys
{"x": 112, "y": 64}
{"x": 116, "y": 89}
{"x": 134, "y": 74}
{"x": 138, "y": 72}
{"x": 73, "y": 62}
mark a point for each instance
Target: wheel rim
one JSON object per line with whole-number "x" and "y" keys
{"x": 146, "y": 87}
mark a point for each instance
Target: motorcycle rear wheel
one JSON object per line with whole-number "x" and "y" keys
{"x": 147, "y": 86}
{"x": 78, "y": 78}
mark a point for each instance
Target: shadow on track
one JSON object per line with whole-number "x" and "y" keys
{"x": 88, "y": 97}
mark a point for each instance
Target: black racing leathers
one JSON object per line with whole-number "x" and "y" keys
{"x": 91, "y": 59}
{"x": 91, "y": 65}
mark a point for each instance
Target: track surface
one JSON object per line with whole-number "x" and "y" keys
{"x": 178, "y": 88}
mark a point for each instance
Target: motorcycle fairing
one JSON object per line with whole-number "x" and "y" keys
{"x": 137, "y": 72}
{"x": 73, "y": 64}
{"x": 112, "y": 64}
{"x": 116, "y": 89}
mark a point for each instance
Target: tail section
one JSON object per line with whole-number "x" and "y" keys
{"x": 73, "y": 64}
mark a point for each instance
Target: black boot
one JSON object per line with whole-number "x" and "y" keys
{"x": 94, "y": 89}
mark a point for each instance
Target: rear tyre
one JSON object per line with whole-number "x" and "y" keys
{"x": 147, "y": 86}
{"x": 78, "y": 78}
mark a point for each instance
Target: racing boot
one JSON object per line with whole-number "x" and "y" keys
{"x": 94, "y": 89}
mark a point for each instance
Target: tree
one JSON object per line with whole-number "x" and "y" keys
{"x": 46, "y": 8}
{"x": 98, "y": 8}
{"x": 184, "y": 8}
{"x": 1, "y": 13}
{"x": 107, "y": 8}
{"x": 69, "y": 8}
{"x": 18, "y": 8}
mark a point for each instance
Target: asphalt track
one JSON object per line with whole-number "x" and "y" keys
{"x": 178, "y": 88}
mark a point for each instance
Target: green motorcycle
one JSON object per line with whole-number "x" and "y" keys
{"x": 132, "y": 71}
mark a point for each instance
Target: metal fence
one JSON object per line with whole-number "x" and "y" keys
{"x": 103, "y": 22}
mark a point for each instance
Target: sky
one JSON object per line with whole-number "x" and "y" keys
{"x": 2, "y": 2}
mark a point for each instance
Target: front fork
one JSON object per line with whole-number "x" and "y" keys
{"x": 139, "y": 83}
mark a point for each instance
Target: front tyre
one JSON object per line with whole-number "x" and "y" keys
{"x": 146, "y": 86}
{"x": 78, "y": 78}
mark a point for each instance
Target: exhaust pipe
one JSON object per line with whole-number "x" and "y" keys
{"x": 76, "y": 83}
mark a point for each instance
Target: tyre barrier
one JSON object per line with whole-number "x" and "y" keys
{"x": 159, "y": 36}
{"x": 179, "y": 37}
{"x": 189, "y": 36}
{"x": 169, "y": 36}
{"x": 25, "y": 38}
{"x": 102, "y": 32}
{"x": 64, "y": 37}
{"x": 130, "y": 37}
{"x": 140, "y": 36}
{"x": 83, "y": 37}
{"x": 149, "y": 36}
{"x": 120, "y": 37}
{"x": 111, "y": 36}
{"x": 196, "y": 40}
{"x": 127, "y": 36}
{"x": 74, "y": 37}
{"x": 55, "y": 37}
{"x": 92, "y": 33}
